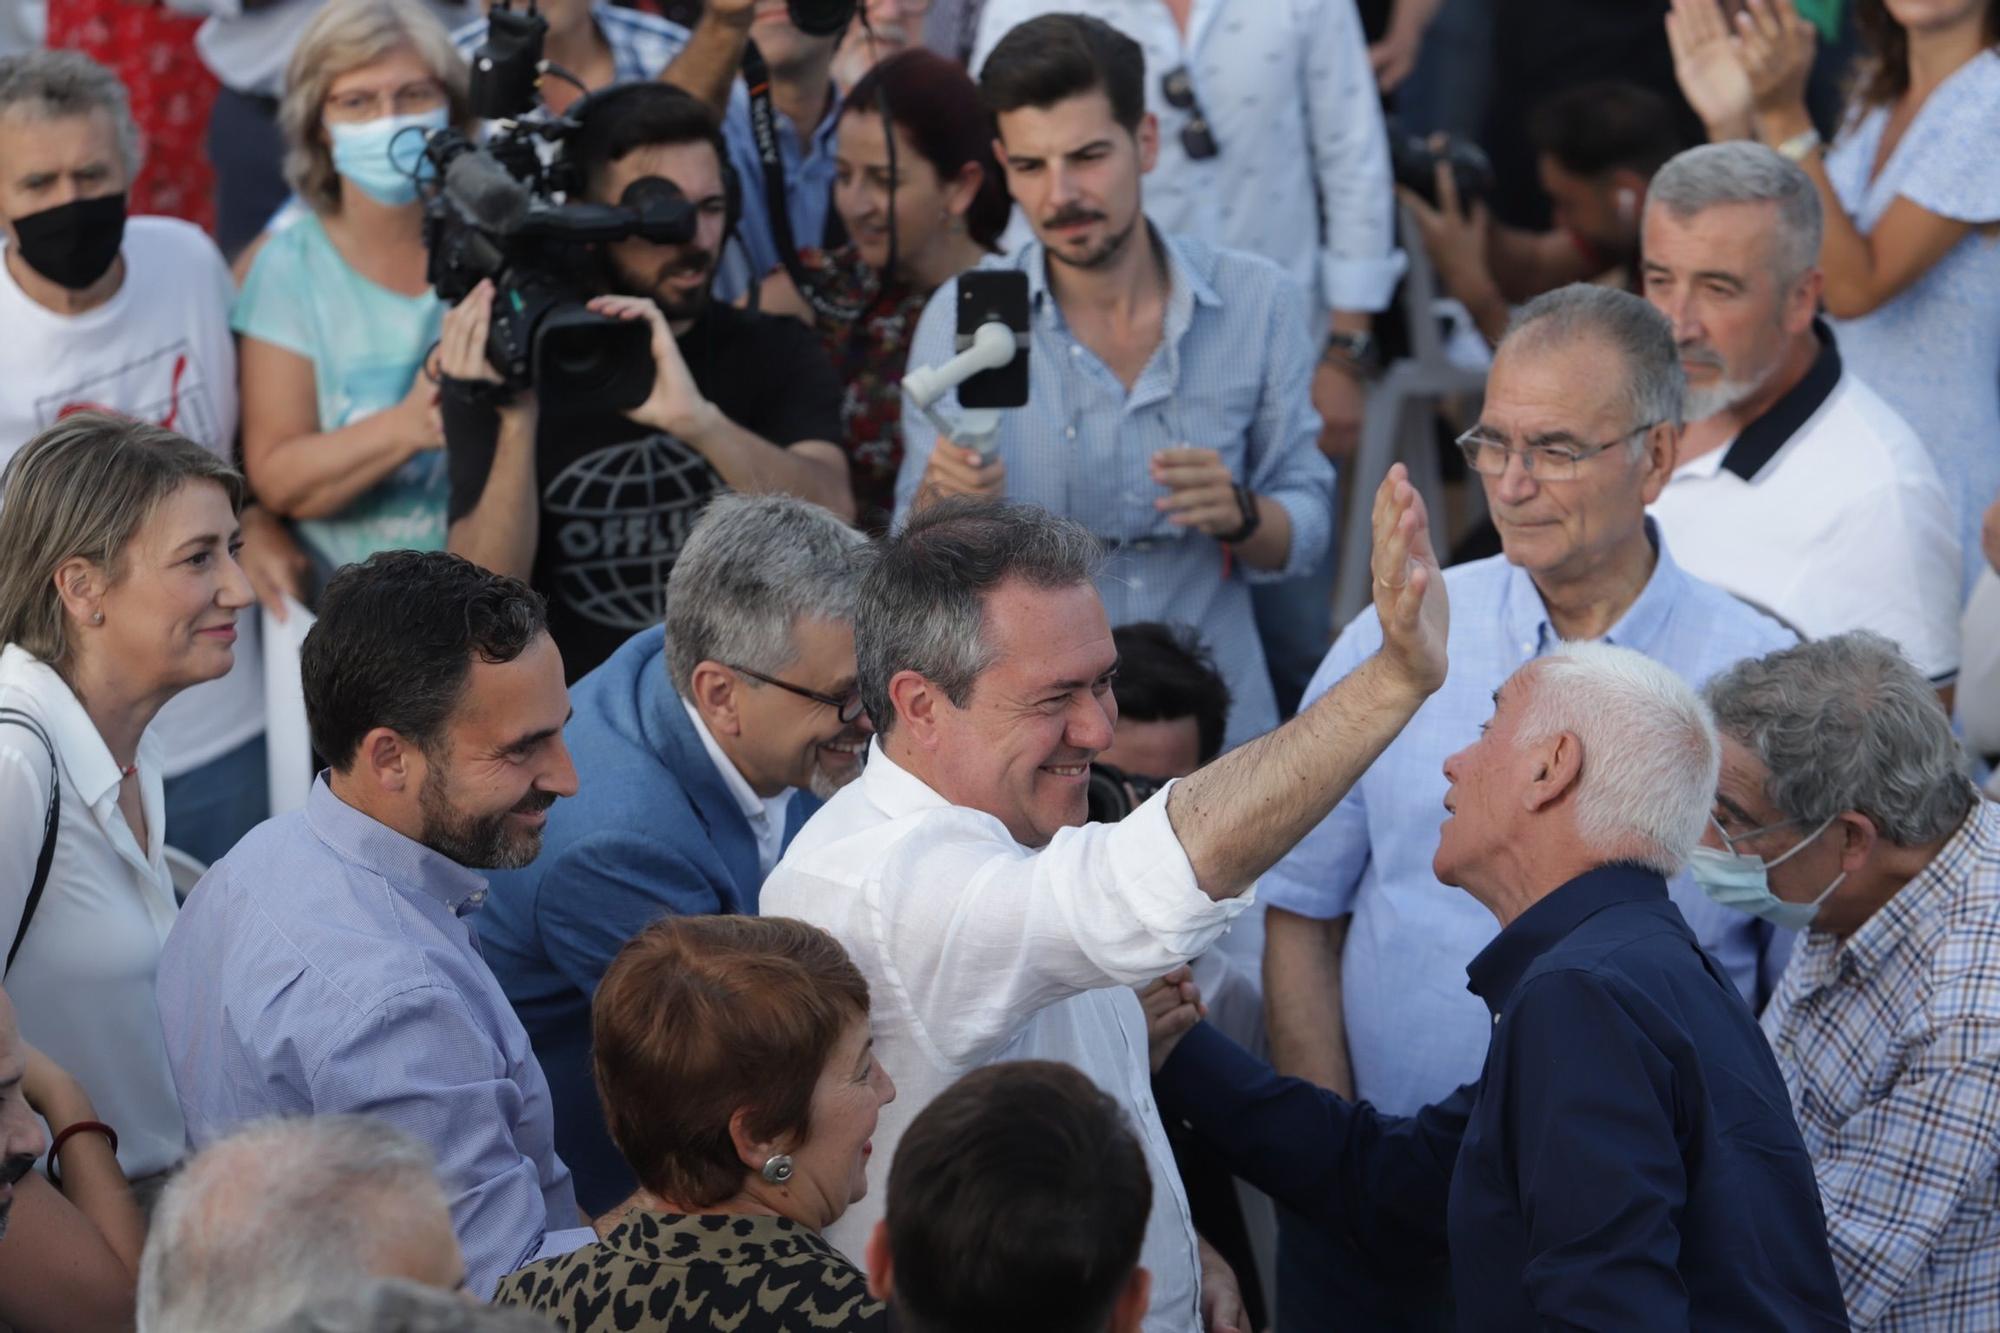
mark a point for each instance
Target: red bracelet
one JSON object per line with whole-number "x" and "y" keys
{"x": 68, "y": 1131}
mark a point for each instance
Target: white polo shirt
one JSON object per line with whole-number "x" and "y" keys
{"x": 1828, "y": 512}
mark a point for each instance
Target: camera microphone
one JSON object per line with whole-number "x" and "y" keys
{"x": 490, "y": 198}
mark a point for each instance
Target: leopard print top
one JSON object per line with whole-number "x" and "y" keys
{"x": 665, "y": 1273}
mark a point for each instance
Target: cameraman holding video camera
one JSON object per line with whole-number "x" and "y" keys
{"x": 592, "y": 505}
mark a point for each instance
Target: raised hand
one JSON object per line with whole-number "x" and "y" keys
{"x": 1709, "y": 68}
{"x": 1409, "y": 586}
{"x": 1777, "y": 48}
{"x": 1173, "y": 1006}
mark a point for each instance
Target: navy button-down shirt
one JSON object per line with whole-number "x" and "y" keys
{"x": 1627, "y": 1159}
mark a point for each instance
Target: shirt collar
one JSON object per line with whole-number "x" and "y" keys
{"x": 746, "y": 797}
{"x": 1499, "y": 967}
{"x": 1527, "y": 616}
{"x": 893, "y": 789}
{"x": 1759, "y": 442}
{"x": 1187, "y": 282}
{"x": 1977, "y": 841}
{"x": 84, "y": 755}
{"x": 407, "y": 865}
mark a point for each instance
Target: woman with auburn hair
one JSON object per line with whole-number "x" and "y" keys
{"x": 738, "y": 1078}
{"x": 1911, "y": 189}
{"x": 119, "y": 588}
{"x": 337, "y": 313}
{"x": 948, "y": 206}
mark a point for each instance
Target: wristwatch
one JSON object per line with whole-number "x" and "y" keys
{"x": 1252, "y": 519}
{"x": 1356, "y": 351}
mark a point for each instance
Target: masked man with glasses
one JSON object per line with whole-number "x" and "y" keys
{"x": 1365, "y": 951}
{"x": 708, "y": 742}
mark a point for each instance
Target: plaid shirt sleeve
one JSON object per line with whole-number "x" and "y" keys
{"x": 1895, "y": 1175}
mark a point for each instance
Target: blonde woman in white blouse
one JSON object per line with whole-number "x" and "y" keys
{"x": 119, "y": 588}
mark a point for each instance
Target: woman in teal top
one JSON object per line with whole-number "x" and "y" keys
{"x": 336, "y": 316}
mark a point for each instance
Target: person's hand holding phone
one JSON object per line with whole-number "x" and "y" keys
{"x": 956, "y": 470}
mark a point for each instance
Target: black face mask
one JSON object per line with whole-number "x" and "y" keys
{"x": 73, "y": 244}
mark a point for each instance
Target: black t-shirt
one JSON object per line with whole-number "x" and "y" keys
{"x": 618, "y": 500}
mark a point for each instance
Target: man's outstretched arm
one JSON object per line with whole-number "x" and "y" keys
{"x": 1238, "y": 815}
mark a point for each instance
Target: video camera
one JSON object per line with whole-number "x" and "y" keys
{"x": 501, "y": 211}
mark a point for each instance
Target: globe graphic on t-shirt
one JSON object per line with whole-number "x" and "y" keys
{"x": 618, "y": 517}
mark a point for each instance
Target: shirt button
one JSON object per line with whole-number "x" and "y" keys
{"x": 1070, "y": 432}
{"x": 1075, "y": 350}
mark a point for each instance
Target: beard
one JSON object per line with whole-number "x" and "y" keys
{"x": 478, "y": 841}
{"x": 10, "y": 1172}
{"x": 652, "y": 287}
{"x": 824, "y": 784}
{"x": 1109, "y": 249}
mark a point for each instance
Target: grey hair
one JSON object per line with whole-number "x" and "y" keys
{"x": 392, "y": 1305}
{"x": 1742, "y": 172}
{"x": 1650, "y": 753}
{"x": 1586, "y": 312}
{"x": 1847, "y": 723}
{"x": 56, "y": 85}
{"x": 752, "y": 567}
{"x": 280, "y": 1213}
{"x": 923, "y": 605}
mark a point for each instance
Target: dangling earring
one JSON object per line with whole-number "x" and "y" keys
{"x": 777, "y": 1168}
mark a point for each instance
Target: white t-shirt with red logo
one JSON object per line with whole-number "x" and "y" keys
{"x": 159, "y": 349}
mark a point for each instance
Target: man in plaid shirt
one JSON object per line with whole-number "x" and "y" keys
{"x": 1843, "y": 808}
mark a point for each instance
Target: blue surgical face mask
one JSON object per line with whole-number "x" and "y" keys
{"x": 1744, "y": 883}
{"x": 384, "y": 158}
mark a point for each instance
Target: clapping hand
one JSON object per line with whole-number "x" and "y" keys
{"x": 1777, "y": 49}
{"x": 1709, "y": 68}
{"x": 1409, "y": 586}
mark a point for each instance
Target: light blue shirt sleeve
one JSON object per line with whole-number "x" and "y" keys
{"x": 271, "y": 308}
{"x": 422, "y": 1062}
{"x": 1282, "y": 456}
{"x": 1321, "y": 875}
{"x": 931, "y": 344}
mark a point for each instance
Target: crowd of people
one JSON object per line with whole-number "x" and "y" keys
{"x": 780, "y": 852}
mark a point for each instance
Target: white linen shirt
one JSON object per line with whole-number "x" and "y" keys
{"x": 1826, "y": 511}
{"x": 979, "y": 950}
{"x": 765, "y": 816}
{"x": 1288, "y": 94}
{"x": 82, "y": 985}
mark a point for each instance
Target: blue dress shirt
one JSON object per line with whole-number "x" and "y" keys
{"x": 325, "y": 965}
{"x": 1233, "y": 373}
{"x": 808, "y": 161}
{"x": 1413, "y": 1034}
{"x": 653, "y": 832}
{"x": 1627, "y": 1160}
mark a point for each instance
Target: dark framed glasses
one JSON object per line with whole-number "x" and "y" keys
{"x": 847, "y": 708}
{"x": 1197, "y": 139}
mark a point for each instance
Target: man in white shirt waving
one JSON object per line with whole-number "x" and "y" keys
{"x": 991, "y": 922}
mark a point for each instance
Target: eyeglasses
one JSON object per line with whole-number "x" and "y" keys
{"x": 1748, "y": 835}
{"x": 408, "y": 100}
{"x": 846, "y": 707}
{"x": 1544, "y": 462}
{"x": 1197, "y": 140}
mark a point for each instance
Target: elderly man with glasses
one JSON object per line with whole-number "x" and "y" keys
{"x": 1365, "y": 952}
{"x": 704, "y": 744}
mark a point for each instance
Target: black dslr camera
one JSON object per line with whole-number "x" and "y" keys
{"x": 1110, "y": 793}
{"x": 1413, "y": 161}
{"x": 500, "y": 211}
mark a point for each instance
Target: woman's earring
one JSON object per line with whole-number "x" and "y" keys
{"x": 777, "y": 1169}
{"x": 97, "y": 618}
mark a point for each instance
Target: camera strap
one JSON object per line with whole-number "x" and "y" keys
{"x": 764, "y": 133}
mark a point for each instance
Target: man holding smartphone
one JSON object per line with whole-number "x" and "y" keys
{"x": 1170, "y": 405}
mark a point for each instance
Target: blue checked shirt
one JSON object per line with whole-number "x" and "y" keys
{"x": 1232, "y": 373}
{"x": 324, "y": 965}
{"x": 641, "y": 44}
{"x": 1889, "y": 1042}
{"x": 1414, "y": 1032}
